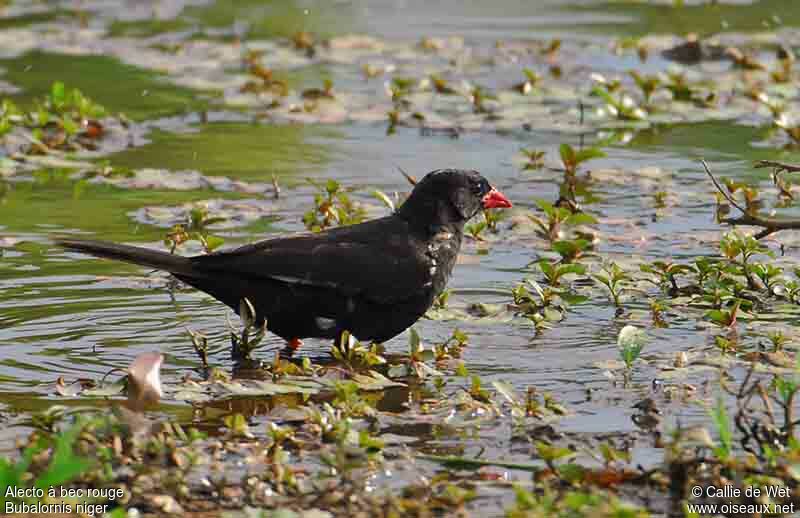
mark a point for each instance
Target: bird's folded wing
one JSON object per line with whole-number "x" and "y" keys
{"x": 382, "y": 272}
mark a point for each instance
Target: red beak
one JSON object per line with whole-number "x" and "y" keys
{"x": 494, "y": 199}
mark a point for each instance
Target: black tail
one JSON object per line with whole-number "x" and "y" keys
{"x": 131, "y": 254}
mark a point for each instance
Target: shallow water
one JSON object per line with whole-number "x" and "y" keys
{"x": 67, "y": 315}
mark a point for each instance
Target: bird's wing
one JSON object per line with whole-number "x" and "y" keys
{"x": 376, "y": 261}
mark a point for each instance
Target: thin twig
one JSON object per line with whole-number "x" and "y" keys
{"x": 769, "y": 225}
{"x": 411, "y": 179}
{"x": 276, "y": 189}
{"x": 780, "y": 166}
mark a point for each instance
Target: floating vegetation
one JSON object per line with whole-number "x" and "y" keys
{"x": 64, "y": 121}
{"x": 332, "y": 207}
{"x": 602, "y": 350}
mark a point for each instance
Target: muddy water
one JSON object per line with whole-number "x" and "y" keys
{"x": 67, "y": 315}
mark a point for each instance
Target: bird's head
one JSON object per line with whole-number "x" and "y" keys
{"x": 451, "y": 196}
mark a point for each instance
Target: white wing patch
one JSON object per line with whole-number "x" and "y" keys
{"x": 305, "y": 282}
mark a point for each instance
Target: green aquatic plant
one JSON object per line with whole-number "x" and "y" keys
{"x": 778, "y": 339}
{"x": 441, "y": 86}
{"x": 332, "y": 207}
{"x": 720, "y": 288}
{"x": 475, "y": 229}
{"x": 477, "y": 391}
{"x": 648, "y": 84}
{"x": 489, "y": 220}
{"x": 356, "y": 356}
{"x": 721, "y": 420}
{"x": 347, "y": 399}
{"x": 725, "y": 317}
{"x": 631, "y": 340}
{"x": 326, "y": 92}
{"x": 263, "y": 80}
{"x": 556, "y": 218}
{"x": 10, "y": 115}
{"x": 620, "y": 105}
{"x": 237, "y": 427}
{"x": 666, "y": 272}
{"x": 783, "y": 71}
{"x": 571, "y": 250}
{"x": 452, "y": 347}
{"x": 679, "y": 86}
{"x": 532, "y": 79}
{"x": 478, "y": 97}
{"x": 400, "y": 88}
{"x": 534, "y": 158}
{"x": 493, "y": 217}
{"x": 740, "y": 249}
{"x": 573, "y": 503}
{"x": 572, "y": 159}
{"x": 71, "y": 103}
{"x": 553, "y": 272}
{"x": 615, "y": 279}
{"x": 64, "y": 119}
{"x": 196, "y": 229}
{"x": 244, "y": 342}
{"x": 543, "y": 305}
{"x": 660, "y": 199}
{"x": 56, "y": 452}
{"x": 200, "y": 344}
{"x": 769, "y": 275}
{"x": 726, "y": 344}
{"x": 749, "y": 194}
{"x": 657, "y": 310}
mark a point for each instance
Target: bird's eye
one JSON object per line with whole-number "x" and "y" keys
{"x": 480, "y": 188}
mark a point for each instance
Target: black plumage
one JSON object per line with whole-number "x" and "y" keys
{"x": 374, "y": 279}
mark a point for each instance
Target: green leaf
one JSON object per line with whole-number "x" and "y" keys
{"x": 604, "y": 95}
{"x": 581, "y": 218}
{"x": 544, "y": 205}
{"x": 720, "y": 416}
{"x": 572, "y": 298}
{"x": 571, "y": 472}
{"x": 568, "y": 249}
{"x": 332, "y": 186}
{"x": 578, "y": 269}
{"x": 567, "y": 154}
{"x": 550, "y": 453}
{"x": 214, "y": 242}
{"x": 588, "y": 154}
{"x": 64, "y": 465}
{"x": 718, "y": 316}
{"x": 507, "y": 391}
{"x": 414, "y": 342}
{"x": 383, "y": 197}
{"x": 70, "y": 127}
{"x": 547, "y": 268}
{"x": 553, "y": 314}
{"x": 58, "y": 94}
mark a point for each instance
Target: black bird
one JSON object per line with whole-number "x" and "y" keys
{"x": 374, "y": 279}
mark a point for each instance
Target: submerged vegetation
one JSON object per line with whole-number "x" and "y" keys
{"x": 604, "y": 350}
